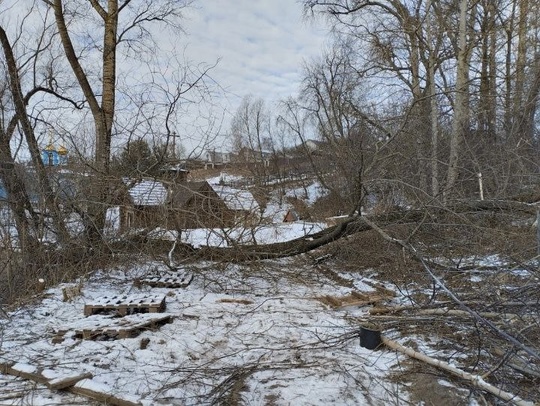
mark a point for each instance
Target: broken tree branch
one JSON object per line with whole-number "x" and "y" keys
{"x": 413, "y": 251}
{"x": 474, "y": 379}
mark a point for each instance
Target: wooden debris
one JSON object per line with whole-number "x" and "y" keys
{"x": 23, "y": 371}
{"x": 240, "y": 301}
{"x": 67, "y": 381}
{"x": 97, "y": 326}
{"x": 127, "y": 304}
{"x": 517, "y": 364}
{"x": 166, "y": 280}
{"x": 71, "y": 292}
{"x": 355, "y": 299}
{"x": 5, "y": 367}
{"x": 79, "y": 384}
{"x": 474, "y": 379}
{"x": 144, "y": 343}
{"x": 441, "y": 312}
{"x": 85, "y": 388}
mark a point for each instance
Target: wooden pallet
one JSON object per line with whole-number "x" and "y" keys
{"x": 167, "y": 279}
{"x": 126, "y": 304}
{"x": 108, "y": 327}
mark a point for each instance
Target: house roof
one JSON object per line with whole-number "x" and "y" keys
{"x": 291, "y": 215}
{"x": 175, "y": 167}
{"x": 183, "y": 191}
{"x": 148, "y": 192}
{"x": 236, "y": 199}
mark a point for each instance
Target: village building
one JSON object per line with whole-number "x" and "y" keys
{"x": 54, "y": 156}
{"x": 213, "y": 159}
{"x": 291, "y": 216}
{"x": 150, "y": 204}
{"x": 240, "y": 202}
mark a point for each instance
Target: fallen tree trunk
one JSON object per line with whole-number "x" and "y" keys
{"x": 517, "y": 364}
{"x": 350, "y": 226}
{"x": 474, "y": 379}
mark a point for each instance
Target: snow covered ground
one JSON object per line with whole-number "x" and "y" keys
{"x": 257, "y": 334}
{"x": 263, "y": 234}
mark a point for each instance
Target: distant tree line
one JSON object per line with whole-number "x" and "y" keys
{"x": 416, "y": 101}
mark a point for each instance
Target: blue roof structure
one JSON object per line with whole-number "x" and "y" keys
{"x": 3, "y": 193}
{"x": 52, "y": 156}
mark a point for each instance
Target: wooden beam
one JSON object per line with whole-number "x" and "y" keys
{"x": 80, "y": 384}
{"x": 67, "y": 381}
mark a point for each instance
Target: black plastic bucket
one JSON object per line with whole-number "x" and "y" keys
{"x": 370, "y": 338}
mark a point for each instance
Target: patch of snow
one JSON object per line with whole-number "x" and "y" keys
{"x": 230, "y": 321}
{"x": 223, "y": 178}
{"x": 309, "y": 194}
{"x": 22, "y": 367}
{"x": 222, "y": 237}
{"x": 264, "y": 234}
{"x": 276, "y": 212}
{"x": 476, "y": 278}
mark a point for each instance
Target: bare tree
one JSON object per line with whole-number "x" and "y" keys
{"x": 460, "y": 123}
{"x": 111, "y": 32}
{"x": 251, "y": 133}
{"x": 20, "y": 202}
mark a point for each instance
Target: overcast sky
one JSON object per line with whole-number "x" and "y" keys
{"x": 262, "y": 45}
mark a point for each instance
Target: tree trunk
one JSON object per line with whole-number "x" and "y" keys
{"x": 20, "y": 109}
{"x": 461, "y": 116}
{"x": 508, "y": 110}
{"x": 434, "y": 119}
{"x": 487, "y": 100}
{"x": 521, "y": 62}
{"x": 18, "y": 200}
{"x": 103, "y": 114}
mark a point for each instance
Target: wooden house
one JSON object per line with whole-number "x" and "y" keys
{"x": 291, "y": 216}
{"x": 241, "y": 202}
{"x": 197, "y": 205}
{"x": 154, "y": 204}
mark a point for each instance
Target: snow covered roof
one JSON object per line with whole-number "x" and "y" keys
{"x": 236, "y": 199}
{"x": 148, "y": 192}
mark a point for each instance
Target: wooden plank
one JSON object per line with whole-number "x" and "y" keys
{"x": 100, "y": 396}
{"x": 5, "y": 366}
{"x": 167, "y": 280}
{"x": 118, "y": 329}
{"x": 86, "y": 334}
{"x": 32, "y": 376}
{"x": 127, "y": 304}
{"x": 67, "y": 381}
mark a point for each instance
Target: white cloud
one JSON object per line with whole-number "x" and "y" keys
{"x": 261, "y": 45}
